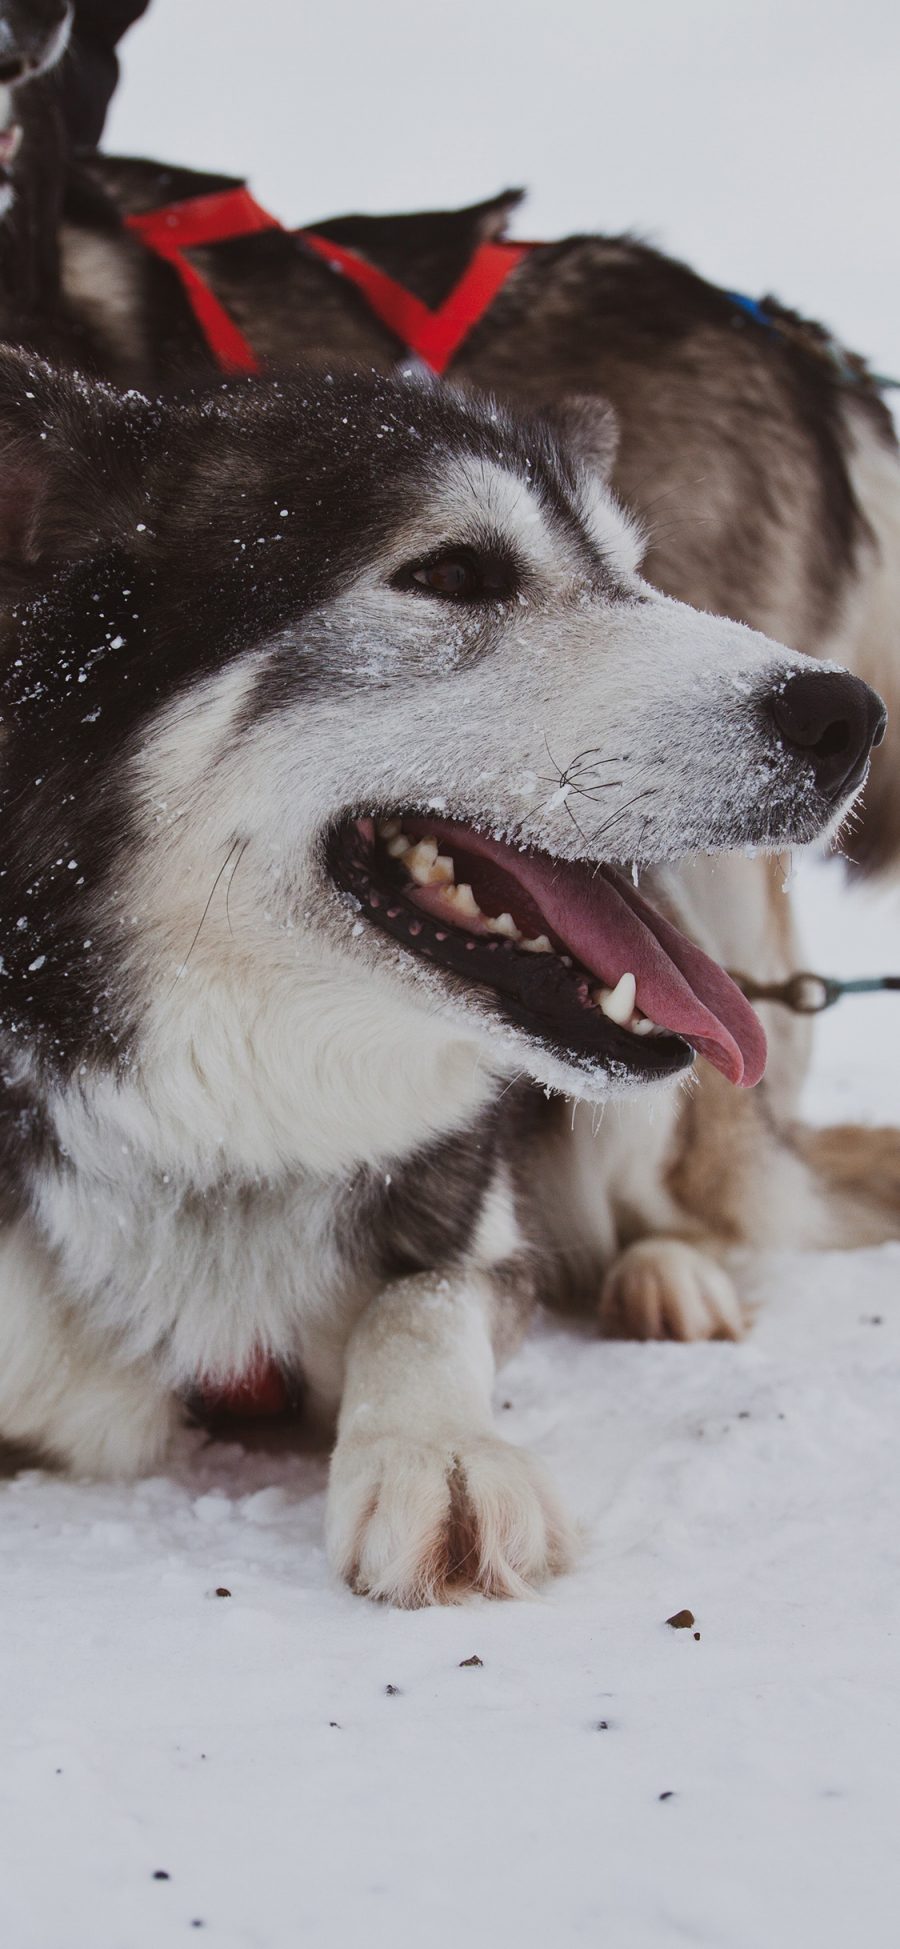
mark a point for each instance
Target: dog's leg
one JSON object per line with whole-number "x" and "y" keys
{"x": 857, "y": 1170}
{"x": 58, "y": 1394}
{"x": 669, "y": 1289}
{"x": 614, "y": 1237}
{"x": 731, "y": 1178}
{"x": 426, "y": 1503}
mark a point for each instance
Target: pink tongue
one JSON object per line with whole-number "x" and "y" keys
{"x": 606, "y": 926}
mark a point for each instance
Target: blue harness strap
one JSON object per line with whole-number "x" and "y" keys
{"x": 848, "y": 369}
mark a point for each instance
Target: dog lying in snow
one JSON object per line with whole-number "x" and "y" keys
{"x": 292, "y": 899}
{"x": 765, "y": 473}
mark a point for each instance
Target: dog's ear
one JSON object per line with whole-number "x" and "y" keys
{"x": 72, "y": 457}
{"x": 589, "y": 428}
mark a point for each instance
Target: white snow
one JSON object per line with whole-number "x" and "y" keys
{"x": 247, "y": 1745}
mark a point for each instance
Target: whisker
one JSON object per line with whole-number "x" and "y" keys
{"x": 229, "y": 855}
{"x": 648, "y": 792}
{"x": 582, "y": 835}
{"x": 231, "y": 884}
{"x": 605, "y": 785}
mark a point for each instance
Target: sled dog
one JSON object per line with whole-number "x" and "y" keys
{"x": 338, "y": 725}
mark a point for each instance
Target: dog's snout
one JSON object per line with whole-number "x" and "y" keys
{"x": 834, "y": 720}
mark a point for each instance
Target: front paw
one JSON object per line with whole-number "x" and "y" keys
{"x": 662, "y": 1289}
{"x": 431, "y": 1522}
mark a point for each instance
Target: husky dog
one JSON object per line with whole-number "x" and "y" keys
{"x": 764, "y": 470}
{"x": 765, "y": 473}
{"x": 291, "y": 901}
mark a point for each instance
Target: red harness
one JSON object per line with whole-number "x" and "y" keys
{"x": 433, "y": 336}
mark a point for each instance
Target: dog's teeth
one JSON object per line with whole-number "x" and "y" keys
{"x": 420, "y": 860}
{"x": 388, "y": 828}
{"x": 465, "y": 902}
{"x": 540, "y": 945}
{"x": 618, "y": 1003}
{"x": 443, "y": 872}
{"x": 635, "y": 1023}
{"x": 424, "y": 853}
{"x": 504, "y": 924}
{"x": 397, "y": 847}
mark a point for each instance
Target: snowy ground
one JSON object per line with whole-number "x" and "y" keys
{"x": 600, "y": 1777}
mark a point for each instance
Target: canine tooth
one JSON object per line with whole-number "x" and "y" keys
{"x": 504, "y": 924}
{"x": 397, "y": 847}
{"x": 539, "y": 945}
{"x": 643, "y": 1026}
{"x": 443, "y": 871}
{"x": 618, "y": 1005}
{"x": 388, "y": 828}
{"x": 465, "y": 902}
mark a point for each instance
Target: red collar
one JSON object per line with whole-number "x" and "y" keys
{"x": 434, "y": 336}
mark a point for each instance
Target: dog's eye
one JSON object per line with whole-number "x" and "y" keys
{"x": 449, "y": 578}
{"x": 459, "y": 575}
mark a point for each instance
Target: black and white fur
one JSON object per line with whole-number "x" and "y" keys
{"x": 236, "y": 1120}
{"x": 765, "y": 475}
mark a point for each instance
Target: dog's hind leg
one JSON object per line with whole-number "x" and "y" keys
{"x": 858, "y": 1172}
{"x": 59, "y": 1393}
{"x": 426, "y": 1503}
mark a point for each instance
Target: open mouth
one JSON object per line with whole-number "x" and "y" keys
{"x": 571, "y": 952}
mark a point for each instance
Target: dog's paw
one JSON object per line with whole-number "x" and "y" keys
{"x": 662, "y": 1289}
{"x": 429, "y": 1523}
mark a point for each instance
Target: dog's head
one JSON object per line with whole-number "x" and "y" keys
{"x": 355, "y": 680}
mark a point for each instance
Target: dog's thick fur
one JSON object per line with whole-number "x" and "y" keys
{"x": 768, "y": 484}
{"x": 771, "y": 492}
{"x": 769, "y": 487}
{"x": 239, "y": 1122}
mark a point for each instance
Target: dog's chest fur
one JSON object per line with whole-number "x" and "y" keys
{"x": 207, "y": 1276}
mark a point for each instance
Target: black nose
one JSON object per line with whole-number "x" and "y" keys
{"x": 834, "y": 720}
